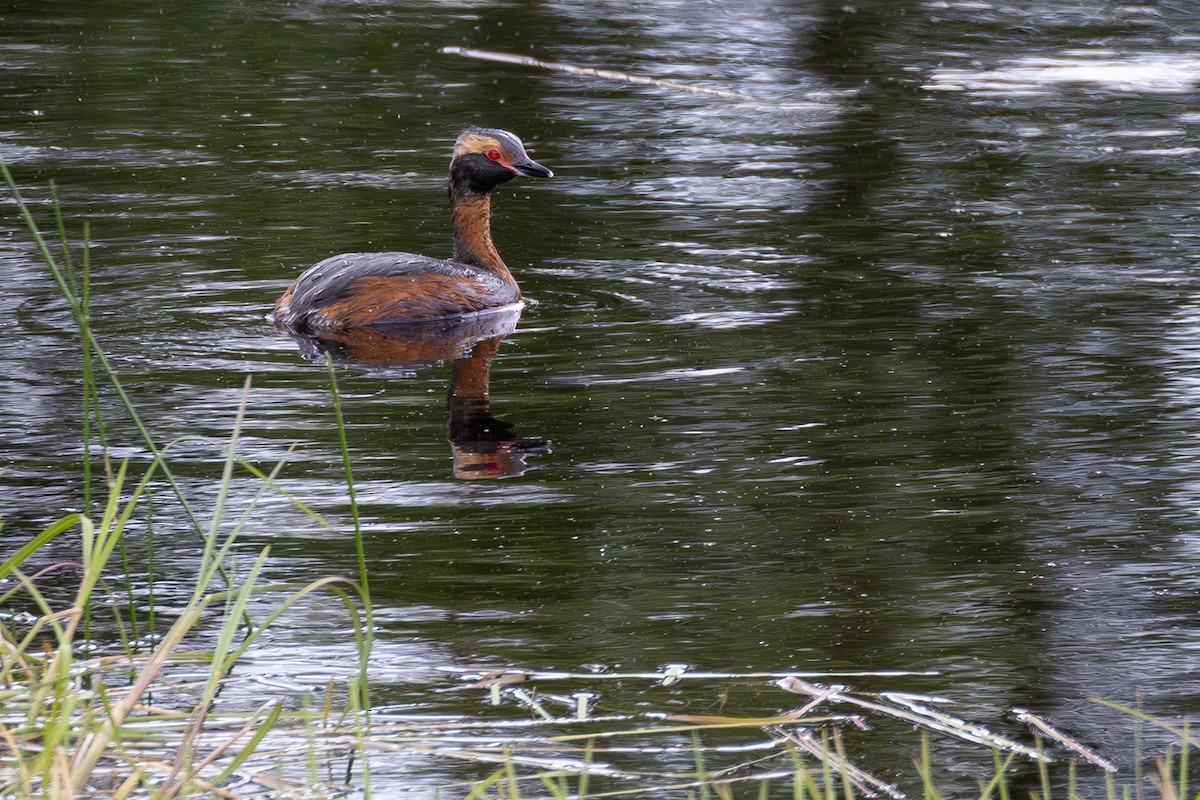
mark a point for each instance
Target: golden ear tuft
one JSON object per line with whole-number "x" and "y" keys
{"x": 475, "y": 142}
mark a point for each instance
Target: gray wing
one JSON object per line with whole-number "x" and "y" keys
{"x": 329, "y": 280}
{"x": 451, "y": 287}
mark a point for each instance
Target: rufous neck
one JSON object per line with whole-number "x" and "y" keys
{"x": 471, "y": 214}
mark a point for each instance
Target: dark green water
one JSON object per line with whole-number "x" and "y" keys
{"x": 893, "y": 367}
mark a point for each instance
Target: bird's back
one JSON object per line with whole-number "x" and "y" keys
{"x": 376, "y": 289}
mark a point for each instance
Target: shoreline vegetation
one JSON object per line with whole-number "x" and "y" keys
{"x": 105, "y": 694}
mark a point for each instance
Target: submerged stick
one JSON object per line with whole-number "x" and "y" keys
{"x": 864, "y": 782}
{"x": 919, "y": 715}
{"x": 589, "y": 72}
{"x": 1050, "y": 732}
{"x": 526, "y": 699}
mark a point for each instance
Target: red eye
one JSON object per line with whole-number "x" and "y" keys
{"x": 493, "y": 154}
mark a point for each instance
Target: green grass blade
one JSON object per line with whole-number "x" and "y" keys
{"x": 248, "y": 749}
{"x": 38, "y": 542}
{"x": 359, "y": 545}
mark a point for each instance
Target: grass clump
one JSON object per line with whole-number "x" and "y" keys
{"x": 67, "y": 720}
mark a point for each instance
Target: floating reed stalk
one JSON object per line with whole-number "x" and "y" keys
{"x": 1048, "y": 731}
{"x": 589, "y": 72}
{"x": 922, "y": 716}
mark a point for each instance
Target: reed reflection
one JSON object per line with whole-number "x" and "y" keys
{"x": 482, "y": 445}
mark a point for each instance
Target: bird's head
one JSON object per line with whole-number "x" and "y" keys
{"x": 487, "y": 157}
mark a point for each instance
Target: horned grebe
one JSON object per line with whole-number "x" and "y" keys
{"x": 357, "y": 290}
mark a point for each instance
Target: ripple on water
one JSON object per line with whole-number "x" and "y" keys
{"x": 718, "y": 278}
{"x": 372, "y": 179}
{"x": 412, "y": 493}
{"x": 118, "y": 155}
{"x": 1043, "y": 76}
{"x": 661, "y": 288}
{"x": 744, "y": 194}
{"x": 728, "y": 320}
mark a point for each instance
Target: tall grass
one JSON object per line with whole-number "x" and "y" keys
{"x": 72, "y": 720}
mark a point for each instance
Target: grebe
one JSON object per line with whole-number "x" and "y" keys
{"x": 357, "y": 290}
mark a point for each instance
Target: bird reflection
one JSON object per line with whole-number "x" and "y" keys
{"x": 483, "y": 446}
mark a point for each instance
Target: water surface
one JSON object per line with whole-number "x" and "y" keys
{"x": 889, "y": 367}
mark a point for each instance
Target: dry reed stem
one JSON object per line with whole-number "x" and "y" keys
{"x": 924, "y": 717}
{"x": 589, "y": 72}
{"x": 863, "y": 781}
{"x": 1050, "y": 732}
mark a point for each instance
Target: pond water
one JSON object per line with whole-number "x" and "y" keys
{"x": 892, "y": 366}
